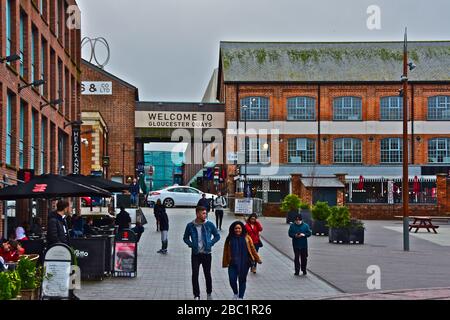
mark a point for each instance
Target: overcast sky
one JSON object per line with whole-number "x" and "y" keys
{"x": 169, "y": 48}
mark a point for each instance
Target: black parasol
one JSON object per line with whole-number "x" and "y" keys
{"x": 51, "y": 186}
{"x": 98, "y": 182}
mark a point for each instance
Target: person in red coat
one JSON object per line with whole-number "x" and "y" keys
{"x": 253, "y": 228}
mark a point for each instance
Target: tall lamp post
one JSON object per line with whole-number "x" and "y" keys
{"x": 404, "y": 92}
{"x": 245, "y": 109}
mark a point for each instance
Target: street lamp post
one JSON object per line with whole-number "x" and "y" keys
{"x": 405, "y": 187}
{"x": 245, "y": 150}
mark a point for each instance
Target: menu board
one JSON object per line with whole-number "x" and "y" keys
{"x": 57, "y": 279}
{"x": 125, "y": 257}
{"x": 244, "y": 206}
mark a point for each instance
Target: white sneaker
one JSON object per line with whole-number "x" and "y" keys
{"x": 209, "y": 297}
{"x": 235, "y": 297}
{"x": 196, "y": 298}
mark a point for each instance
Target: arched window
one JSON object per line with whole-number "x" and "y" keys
{"x": 391, "y": 108}
{"x": 439, "y": 150}
{"x": 439, "y": 108}
{"x": 301, "y": 108}
{"x": 255, "y": 108}
{"x": 301, "y": 150}
{"x": 391, "y": 150}
{"x": 347, "y": 150}
{"x": 347, "y": 109}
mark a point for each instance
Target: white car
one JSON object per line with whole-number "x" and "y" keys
{"x": 178, "y": 196}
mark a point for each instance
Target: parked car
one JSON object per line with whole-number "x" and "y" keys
{"x": 178, "y": 196}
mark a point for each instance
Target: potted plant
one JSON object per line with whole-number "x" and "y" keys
{"x": 356, "y": 232}
{"x": 339, "y": 223}
{"x": 30, "y": 276}
{"x": 320, "y": 213}
{"x": 291, "y": 203}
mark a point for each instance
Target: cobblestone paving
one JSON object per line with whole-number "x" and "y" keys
{"x": 169, "y": 277}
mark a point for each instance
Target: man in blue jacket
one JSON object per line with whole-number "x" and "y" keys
{"x": 200, "y": 236}
{"x": 300, "y": 232}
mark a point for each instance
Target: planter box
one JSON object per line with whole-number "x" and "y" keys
{"x": 339, "y": 235}
{"x": 32, "y": 294}
{"x": 319, "y": 228}
{"x": 346, "y": 236}
{"x": 356, "y": 236}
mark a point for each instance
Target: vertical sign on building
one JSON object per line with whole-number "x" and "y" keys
{"x": 76, "y": 150}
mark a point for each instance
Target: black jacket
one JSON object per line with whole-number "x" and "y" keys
{"x": 57, "y": 232}
{"x": 123, "y": 220}
{"x": 206, "y": 203}
{"x": 163, "y": 220}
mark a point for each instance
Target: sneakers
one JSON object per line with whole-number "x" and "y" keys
{"x": 297, "y": 274}
{"x": 196, "y": 298}
{"x": 209, "y": 297}
{"x": 162, "y": 251}
{"x": 235, "y": 297}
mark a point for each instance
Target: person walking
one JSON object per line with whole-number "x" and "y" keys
{"x": 123, "y": 219}
{"x": 205, "y": 203}
{"x": 157, "y": 210}
{"x": 164, "y": 227}
{"x": 253, "y": 228}
{"x": 201, "y": 235}
{"x": 134, "y": 191}
{"x": 300, "y": 232}
{"x": 239, "y": 254}
{"x": 58, "y": 231}
{"x": 219, "y": 204}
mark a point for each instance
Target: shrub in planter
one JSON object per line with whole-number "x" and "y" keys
{"x": 339, "y": 223}
{"x": 9, "y": 285}
{"x": 320, "y": 214}
{"x": 356, "y": 232}
{"x": 291, "y": 203}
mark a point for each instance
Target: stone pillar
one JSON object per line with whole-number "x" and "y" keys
{"x": 442, "y": 196}
{"x": 341, "y": 192}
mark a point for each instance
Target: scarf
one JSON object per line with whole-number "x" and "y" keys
{"x": 239, "y": 253}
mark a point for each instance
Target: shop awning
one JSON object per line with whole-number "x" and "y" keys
{"x": 264, "y": 178}
{"x": 322, "y": 183}
{"x": 355, "y": 179}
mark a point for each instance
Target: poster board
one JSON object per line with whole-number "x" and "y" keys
{"x": 125, "y": 254}
{"x": 244, "y": 206}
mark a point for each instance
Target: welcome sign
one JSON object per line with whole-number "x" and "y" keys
{"x": 180, "y": 120}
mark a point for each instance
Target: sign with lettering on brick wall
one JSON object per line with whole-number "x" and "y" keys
{"x": 96, "y": 88}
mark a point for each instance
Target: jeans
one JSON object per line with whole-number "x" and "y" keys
{"x": 134, "y": 199}
{"x": 204, "y": 260}
{"x": 234, "y": 277}
{"x": 219, "y": 219}
{"x": 257, "y": 247}
{"x": 301, "y": 254}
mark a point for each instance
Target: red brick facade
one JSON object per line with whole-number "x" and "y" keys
{"x": 62, "y": 55}
{"x": 118, "y": 111}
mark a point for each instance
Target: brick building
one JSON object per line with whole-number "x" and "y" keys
{"x": 33, "y": 131}
{"x": 338, "y": 111}
{"x": 115, "y": 101}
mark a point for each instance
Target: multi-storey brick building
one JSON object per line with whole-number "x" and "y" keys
{"x": 115, "y": 101}
{"x": 338, "y": 110}
{"x": 34, "y": 134}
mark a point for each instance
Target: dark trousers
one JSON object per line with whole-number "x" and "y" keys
{"x": 235, "y": 277}
{"x": 205, "y": 261}
{"x": 219, "y": 219}
{"x": 301, "y": 259}
{"x": 257, "y": 247}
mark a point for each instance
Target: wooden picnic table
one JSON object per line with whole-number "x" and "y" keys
{"x": 423, "y": 223}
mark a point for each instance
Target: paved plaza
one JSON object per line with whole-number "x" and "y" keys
{"x": 168, "y": 277}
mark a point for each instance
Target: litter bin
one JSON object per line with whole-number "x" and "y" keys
{"x": 90, "y": 253}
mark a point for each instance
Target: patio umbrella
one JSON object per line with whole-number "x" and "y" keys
{"x": 50, "y": 186}
{"x": 361, "y": 183}
{"x": 98, "y": 182}
{"x": 416, "y": 186}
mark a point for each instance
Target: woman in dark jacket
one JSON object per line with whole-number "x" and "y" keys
{"x": 238, "y": 255}
{"x": 164, "y": 227}
{"x": 157, "y": 212}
